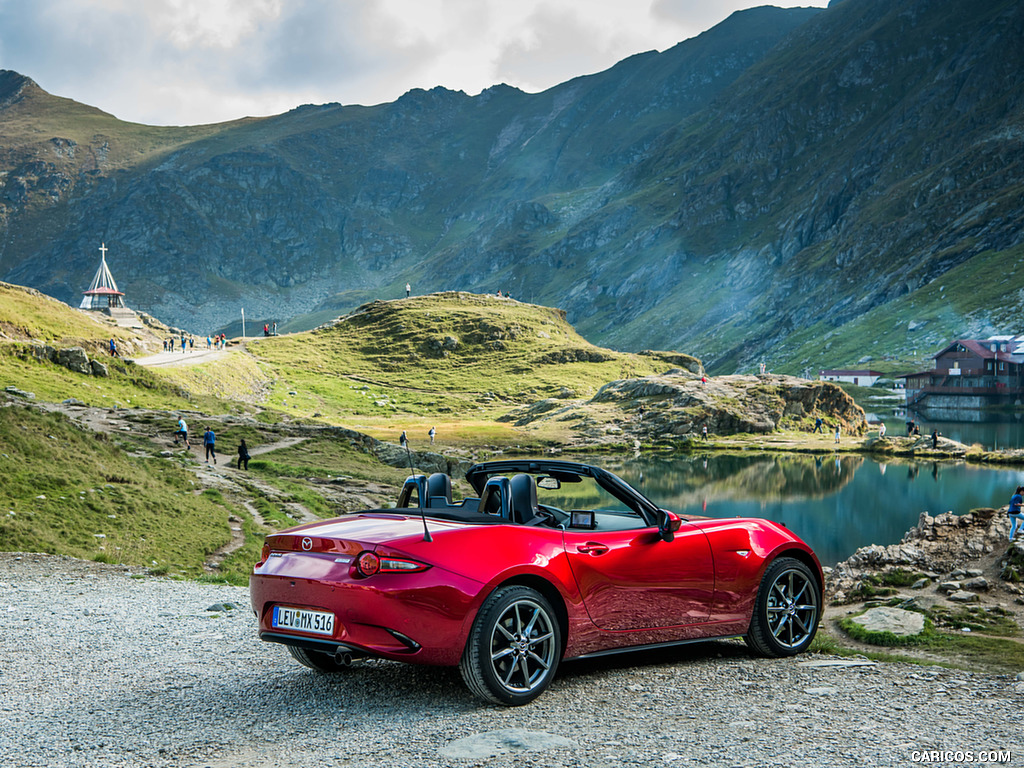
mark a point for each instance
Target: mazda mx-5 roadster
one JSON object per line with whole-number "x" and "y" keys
{"x": 550, "y": 560}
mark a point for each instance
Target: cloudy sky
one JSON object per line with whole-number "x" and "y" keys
{"x": 183, "y": 62}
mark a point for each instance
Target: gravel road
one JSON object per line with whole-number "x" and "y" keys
{"x": 102, "y": 667}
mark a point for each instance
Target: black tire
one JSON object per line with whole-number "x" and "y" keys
{"x": 787, "y": 610}
{"x": 321, "y": 661}
{"x": 514, "y": 647}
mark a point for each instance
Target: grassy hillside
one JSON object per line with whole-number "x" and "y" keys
{"x": 31, "y": 116}
{"x": 27, "y": 315}
{"x": 976, "y": 299}
{"x": 447, "y": 356}
{"x": 75, "y": 492}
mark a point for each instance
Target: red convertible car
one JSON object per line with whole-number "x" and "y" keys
{"x": 553, "y": 560}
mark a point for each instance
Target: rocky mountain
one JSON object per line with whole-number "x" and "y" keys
{"x": 791, "y": 184}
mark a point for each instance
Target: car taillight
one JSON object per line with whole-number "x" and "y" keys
{"x": 264, "y": 554}
{"x": 368, "y": 564}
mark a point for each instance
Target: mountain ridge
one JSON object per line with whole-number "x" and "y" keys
{"x": 748, "y": 192}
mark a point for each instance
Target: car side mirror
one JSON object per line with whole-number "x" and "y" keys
{"x": 669, "y": 525}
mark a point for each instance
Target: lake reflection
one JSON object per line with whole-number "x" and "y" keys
{"x": 836, "y": 504}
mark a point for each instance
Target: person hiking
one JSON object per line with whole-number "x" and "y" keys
{"x": 182, "y": 432}
{"x": 1016, "y": 518}
{"x": 403, "y": 440}
{"x": 113, "y": 347}
{"x": 408, "y": 290}
{"x": 432, "y": 433}
{"x": 243, "y": 454}
{"x": 209, "y": 442}
{"x": 817, "y": 426}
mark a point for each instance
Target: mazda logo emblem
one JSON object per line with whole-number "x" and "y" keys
{"x": 307, "y": 544}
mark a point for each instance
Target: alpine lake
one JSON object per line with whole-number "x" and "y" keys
{"x": 835, "y": 502}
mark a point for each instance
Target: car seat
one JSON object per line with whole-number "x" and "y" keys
{"x": 524, "y": 499}
{"x": 439, "y": 490}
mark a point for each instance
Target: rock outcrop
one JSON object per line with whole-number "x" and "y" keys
{"x": 938, "y": 544}
{"x": 73, "y": 358}
{"x": 949, "y": 551}
{"x": 679, "y": 404}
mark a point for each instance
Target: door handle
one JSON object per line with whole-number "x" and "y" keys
{"x": 592, "y": 548}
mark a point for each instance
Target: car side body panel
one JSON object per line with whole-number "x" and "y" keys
{"x": 742, "y": 548}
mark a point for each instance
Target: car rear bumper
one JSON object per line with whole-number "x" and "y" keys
{"x": 418, "y": 617}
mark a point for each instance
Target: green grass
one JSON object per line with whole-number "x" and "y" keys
{"x": 388, "y": 361}
{"x": 127, "y": 386}
{"x": 971, "y": 651}
{"x": 235, "y": 568}
{"x": 236, "y": 377}
{"x": 969, "y": 300}
{"x": 74, "y": 492}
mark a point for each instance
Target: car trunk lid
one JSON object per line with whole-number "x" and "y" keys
{"x": 354, "y": 533}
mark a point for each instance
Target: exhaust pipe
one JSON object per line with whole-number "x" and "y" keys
{"x": 343, "y": 657}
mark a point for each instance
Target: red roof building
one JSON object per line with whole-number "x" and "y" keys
{"x": 971, "y": 373}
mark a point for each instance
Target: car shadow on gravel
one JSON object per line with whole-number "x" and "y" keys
{"x": 656, "y": 657}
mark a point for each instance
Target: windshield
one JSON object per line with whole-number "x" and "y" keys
{"x": 585, "y": 494}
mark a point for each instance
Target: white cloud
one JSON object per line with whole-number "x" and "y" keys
{"x": 210, "y": 23}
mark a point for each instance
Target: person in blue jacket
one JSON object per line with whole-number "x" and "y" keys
{"x": 209, "y": 441}
{"x": 1016, "y": 518}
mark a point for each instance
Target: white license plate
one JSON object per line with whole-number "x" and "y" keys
{"x": 316, "y": 622}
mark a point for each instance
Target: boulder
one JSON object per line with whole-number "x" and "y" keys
{"x": 963, "y": 596}
{"x": 896, "y": 620}
{"x": 99, "y": 369}
{"x": 74, "y": 359}
{"x": 45, "y": 352}
{"x": 977, "y": 584}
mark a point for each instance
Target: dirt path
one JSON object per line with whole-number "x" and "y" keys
{"x": 236, "y": 484}
{"x": 194, "y": 357}
{"x": 239, "y": 485}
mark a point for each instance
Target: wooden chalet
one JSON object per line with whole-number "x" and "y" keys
{"x": 971, "y": 373}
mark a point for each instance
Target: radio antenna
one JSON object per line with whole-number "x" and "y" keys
{"x": 422, "y": 492}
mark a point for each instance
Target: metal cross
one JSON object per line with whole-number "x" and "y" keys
{"x": 103, "y": 250}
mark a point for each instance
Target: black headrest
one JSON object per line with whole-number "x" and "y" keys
{"x": 439, "y": 484}
{"x": 524, "y": 498}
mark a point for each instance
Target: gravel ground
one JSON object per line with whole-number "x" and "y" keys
{"x": 101, "y": 667}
